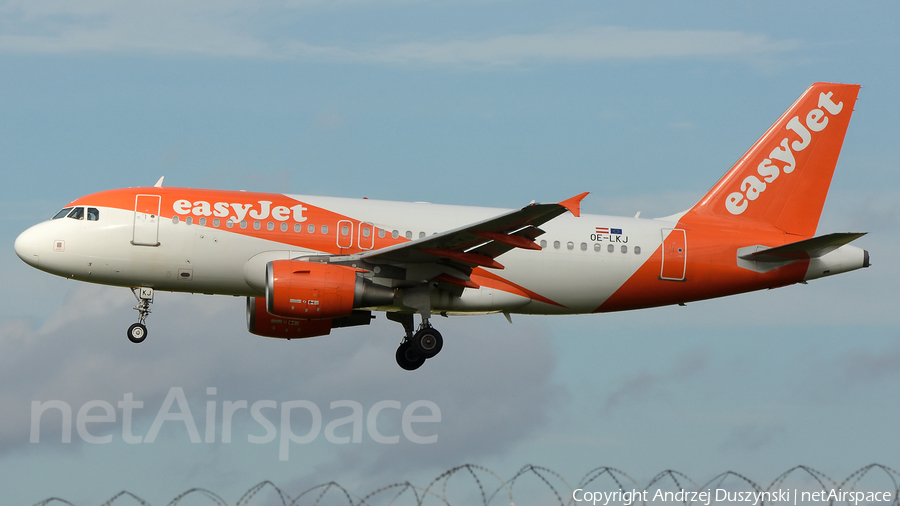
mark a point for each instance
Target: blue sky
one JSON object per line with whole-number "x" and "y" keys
{"x": 491, "y": 103}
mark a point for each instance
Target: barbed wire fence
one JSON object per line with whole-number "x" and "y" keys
{"x": 487, "y": 488}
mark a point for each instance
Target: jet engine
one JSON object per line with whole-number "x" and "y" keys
{"x": 314, "y": 291}
{"x": 261, "y": 323}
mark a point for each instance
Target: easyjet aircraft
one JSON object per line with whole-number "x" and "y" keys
{"x": 308, "y": 264}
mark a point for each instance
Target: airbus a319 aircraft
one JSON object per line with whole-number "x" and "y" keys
{"x": 308, "y": 265}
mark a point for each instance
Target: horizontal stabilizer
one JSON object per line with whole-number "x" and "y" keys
{"x": 809, "y": 248}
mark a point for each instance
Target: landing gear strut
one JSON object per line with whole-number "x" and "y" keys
{"x": 137, "y": 332}
{"x": 416, "y": 348}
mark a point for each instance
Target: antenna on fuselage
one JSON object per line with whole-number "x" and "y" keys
{"x": 159, "y": 183}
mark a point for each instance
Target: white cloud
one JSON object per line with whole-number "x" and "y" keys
{"x": 587, "y": 44}
{"x": 245, "y": 29}
{"x": 328, "y": 120}
{"x": 81, "y": 354}
{"x": 167, "y": 27}
{"x": 647, "y": 383}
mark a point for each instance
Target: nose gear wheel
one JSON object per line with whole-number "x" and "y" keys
{"x": 137, "y": 332}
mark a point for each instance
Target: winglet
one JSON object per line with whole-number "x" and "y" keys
{"x": 159, "y": 183}
{"x": 574, "y": 204}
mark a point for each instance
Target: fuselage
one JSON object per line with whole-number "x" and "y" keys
{"x": 310, "y": 264}
{"x": 219, "y": 242}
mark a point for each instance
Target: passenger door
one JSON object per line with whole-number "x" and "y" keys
{"x": 146, "y": 220}
{"x": 674, "y": 255}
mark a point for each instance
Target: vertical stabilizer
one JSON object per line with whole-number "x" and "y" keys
{"x": 782, "y": 181}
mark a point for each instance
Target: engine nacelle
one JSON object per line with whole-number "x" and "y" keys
{"x": 314, "y": 291}
{"x": 261, "y": 323}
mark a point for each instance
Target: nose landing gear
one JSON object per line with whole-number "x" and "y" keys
{"x": 137, "y": 332}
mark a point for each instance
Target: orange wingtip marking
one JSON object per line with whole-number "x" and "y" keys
{"x": 574, "y": 204}
{"x": 469, "y": 258}
{"x": 515, "y": 241}
{"x": 468, "y": 283}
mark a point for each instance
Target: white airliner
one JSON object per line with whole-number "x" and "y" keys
{"x": 310, "y": 264}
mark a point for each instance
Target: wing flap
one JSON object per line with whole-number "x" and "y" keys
{"x": 514, "y": 240}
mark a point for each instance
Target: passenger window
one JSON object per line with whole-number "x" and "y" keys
{"x": 610, "y": 248}
{"x": 421, "y": 235}
{"x": 408, "y": 234}
{"x": 555, "y": 244}
{"x": 324, "y": 229}
{"x": 543, "y": 243}
{"x": 624, "y": 249}
{"x": 284, "y": 227}
{"x": 297, "y": 227}
{"x": 381, "y": 233}
{"x": 77, "y": 213}
{"x": 62, "y": 214}
{"x": 584, "y": 246}
{"x": 311, "y": 228}
{"x": 596, "y": 246}
{"x": 93, "y": 214}
{"x": 202, "y": 222}
{"x": 637, "y": 250}
{"x": 570, "y": 245}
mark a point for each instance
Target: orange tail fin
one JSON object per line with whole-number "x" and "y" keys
{"x": 782, "y": 181}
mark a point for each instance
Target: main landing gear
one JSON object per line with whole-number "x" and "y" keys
{"x": 416, "y": 348}
{"x": 138, "y": 332}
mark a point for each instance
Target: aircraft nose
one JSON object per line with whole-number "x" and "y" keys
{"x": 27, "y": 246}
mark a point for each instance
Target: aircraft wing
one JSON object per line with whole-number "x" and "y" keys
{"x": 478, "y": 244}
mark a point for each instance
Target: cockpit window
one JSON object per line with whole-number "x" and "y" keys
{"x": 77, "y": 213}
